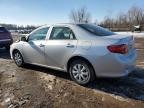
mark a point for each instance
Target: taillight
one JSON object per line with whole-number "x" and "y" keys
{"x": 122, "y": 49}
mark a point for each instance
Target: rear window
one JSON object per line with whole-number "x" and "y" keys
{"x": 99, "y": 31}
{"x": 3, "y": 29}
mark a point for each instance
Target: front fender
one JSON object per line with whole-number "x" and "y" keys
{"x": 16, "y": 46}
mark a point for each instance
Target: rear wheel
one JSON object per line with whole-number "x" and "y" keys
{"x": 81, "y": 72}
{"x": 18, "y": 58}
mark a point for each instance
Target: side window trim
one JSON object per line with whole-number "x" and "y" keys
{"x": 63, "y": 27}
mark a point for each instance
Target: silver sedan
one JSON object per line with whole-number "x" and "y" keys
{"x": 86, "y": 51}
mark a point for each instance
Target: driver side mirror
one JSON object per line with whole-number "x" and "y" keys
{"x": 23, "y": 39}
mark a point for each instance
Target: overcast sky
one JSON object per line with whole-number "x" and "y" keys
{"x": 38, "y": 12}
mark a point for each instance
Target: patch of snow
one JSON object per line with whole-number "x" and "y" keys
{"x": 135, "y": 34}
{"x": 138, "y": 26}
{"x": 141, "y": 66}
{"x": 120, "y": 98}
{"x": 7, "y": 100}
{"x": 141, "y": 62}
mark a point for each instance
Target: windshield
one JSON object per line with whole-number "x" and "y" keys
{"x": 99, "y": 31}
{"x": 3, "y": 29}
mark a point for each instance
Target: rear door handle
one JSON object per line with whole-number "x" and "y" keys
{"x": 41, "y": 45}
{"x": 69, "y": 45}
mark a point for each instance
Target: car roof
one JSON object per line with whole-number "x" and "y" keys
{"x": 63, "y": 24}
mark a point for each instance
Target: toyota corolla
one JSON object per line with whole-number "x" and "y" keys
{"x": 85, "y": 51}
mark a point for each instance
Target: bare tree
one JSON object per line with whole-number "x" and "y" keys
{"x": 107, "y": 22}
{"x": 121, "y": 18}
{"x": 80, "y": 16}
{"x": 125, "y": 21}
{"x": 136, "y": 15}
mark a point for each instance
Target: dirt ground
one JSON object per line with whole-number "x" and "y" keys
{"x": 37, "y": 87}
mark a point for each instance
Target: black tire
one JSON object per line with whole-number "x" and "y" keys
{"x": 17, "y": 55}
{"x": 89, "y": 69}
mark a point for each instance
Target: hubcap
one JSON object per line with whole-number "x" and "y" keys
{"x": 18, "y": 58}
{"x": 80, "y": 73}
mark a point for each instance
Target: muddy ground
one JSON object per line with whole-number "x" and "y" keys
{"x": 37, "y": 87}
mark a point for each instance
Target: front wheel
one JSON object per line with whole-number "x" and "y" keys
{"x": 18, "y": 58}
{"x": 81, "y": 72}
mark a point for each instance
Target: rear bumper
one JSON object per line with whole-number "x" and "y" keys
{"x": 114, "y": 65}
{"x": 116, "y": 74}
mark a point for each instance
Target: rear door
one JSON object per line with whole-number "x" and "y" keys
{"x": 33, "y": 49}
{"x": 60, "y": 46}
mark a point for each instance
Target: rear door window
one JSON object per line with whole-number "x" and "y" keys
{"x": 62, "y": 33}
{"x": 98, "y": 31}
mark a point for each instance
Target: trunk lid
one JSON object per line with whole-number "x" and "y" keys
{"x": 120, "y": 37}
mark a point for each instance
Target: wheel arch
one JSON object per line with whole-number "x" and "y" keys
{"x": 14, "y": 50}
{"x": 76, "y": 58}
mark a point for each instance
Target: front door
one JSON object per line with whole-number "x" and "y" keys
{"x": 33, "y": 49}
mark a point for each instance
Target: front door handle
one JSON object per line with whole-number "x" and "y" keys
{"x": 69, "y": 45}
{"x": 41, "y": 45}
